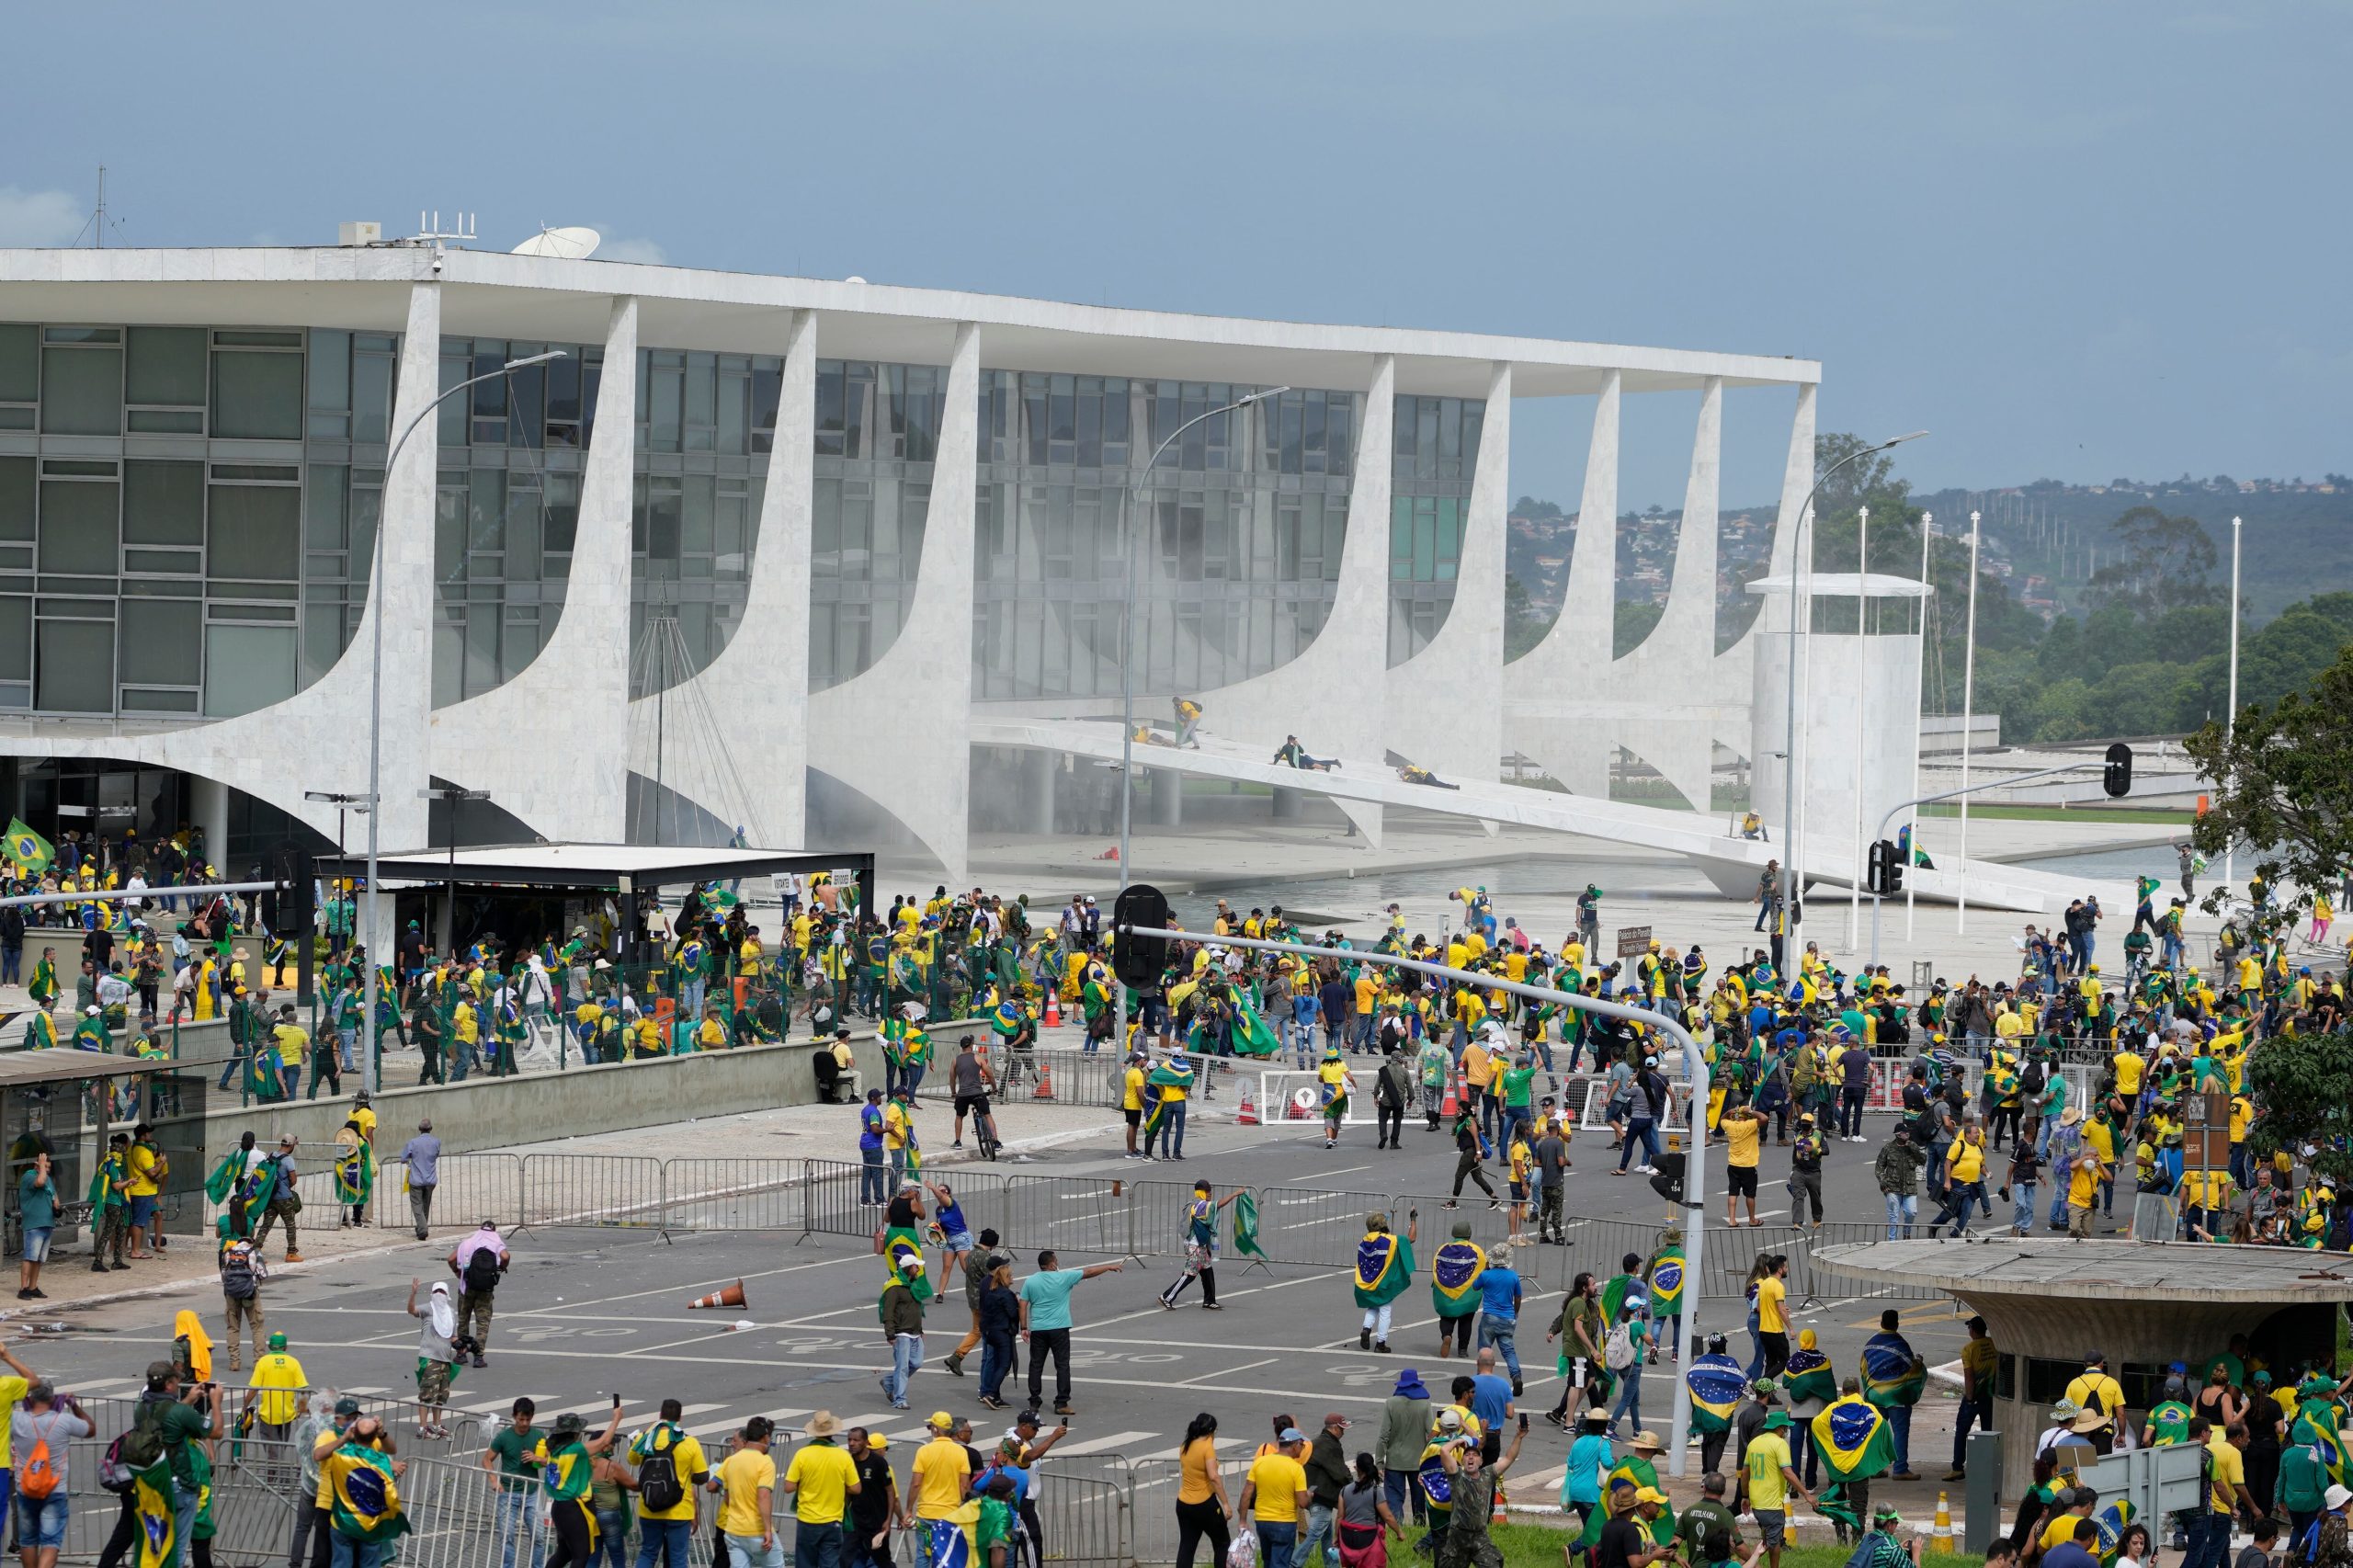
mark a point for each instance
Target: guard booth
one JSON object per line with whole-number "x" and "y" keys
{"x": 67, "y": 1104}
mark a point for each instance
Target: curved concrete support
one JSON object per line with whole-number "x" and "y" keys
{"x": 1349, "y": 657}
{"x": 1666, "y": 683}
{"x": 1551, "y": 714}
{"x": 760, "y": 679}
{"x": 1445, "y": 703}
{"x": 923, "y": 683}
{"x": 312, "y": 731}
{"x": 526, "y": 738}
{"x": 1735, "y": 668}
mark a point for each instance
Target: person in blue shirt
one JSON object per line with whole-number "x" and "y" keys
{"x": 1500, "y": 1318}
{"x": 871, "y": 1179}
{"x": 1305, "y": 1008}
{"x": 1490, "y": 1396}
{"x": 1590, "y": 1459}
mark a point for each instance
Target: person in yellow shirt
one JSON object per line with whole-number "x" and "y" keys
{"x": 671, "y": 1525}
{"x": 1131, "y": 1100}
{"x": 745, "y": 1484}
{"x": 820, "y": 1479}
{"x": 1274, "y": 1495}
{"x": 2129, "y": 1066}
{"x": 1744, "y": 1130}
{"x": 1964, "y": 1180}
{"x": 942, "y": 1472}
{"x": 274, "y": 1395}
{"x": 1773, "y": 1316}
{"x": 710, "y": 1034}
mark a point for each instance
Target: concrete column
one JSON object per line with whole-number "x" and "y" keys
{"x": 1038, "y": 771}
{"x": 209, "y": 811}
{"x": 1588, "y": 609}
{"x": 1797, "y": 479}
{"x": 1168, "y": 798}
{"x": 1286, "y": 804}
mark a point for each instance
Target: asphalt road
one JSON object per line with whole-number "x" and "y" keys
{"x": 587, "y": 1312}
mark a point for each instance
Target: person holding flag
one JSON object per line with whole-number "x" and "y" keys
{"x": 1455, "y": 1296}
{"x": 1333, "y": 1082}
{"x": 1171, "y": 1086}
{"x": 1893, "y": 1379}
{"x": 32, "y": 854}
{"x": 361, "y": 1483}
{"x": 1808, "y": 1385}
{"x": 1200, "y": 1247}
{"x": 1665, "y": 1272}
{"x": 1856, "y": 1444}
{"x": 1384, "y": 1268}
{"x": 355, "y": 1173}
{"x": 566, "y": 1459}
{"x": 1630, "y": 1492}
{"x": 1716, "y": 1381}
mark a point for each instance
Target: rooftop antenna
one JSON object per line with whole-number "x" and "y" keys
{"x": 431, "y": 232}
{"x": 95, "y": 227}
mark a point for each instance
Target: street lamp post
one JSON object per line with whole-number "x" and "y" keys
{"x": 376, "y": 673}
{"x": 1128, "y": 632}
{"x": 2231, "y": 712}
{"x": 456, "y": 797}
{"x": 1791, "y": 881}
{"x": 1968, "y": 719}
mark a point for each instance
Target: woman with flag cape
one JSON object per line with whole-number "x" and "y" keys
{"x": 1455, "y": 1272}
{"x": 1332, "y": 1081}
{"x": 1625, "y": 1482}
{"x": 1384, "y": 1268}
{"x": 1716, "y": 1381}
{"x": 355, "y": 1171}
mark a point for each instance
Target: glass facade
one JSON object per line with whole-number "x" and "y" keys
{"x": 1240, "y": 553}
{"x": 184, "y": 513}
{"x": 877, "y": 434}
{"x": 1436, "y": 453}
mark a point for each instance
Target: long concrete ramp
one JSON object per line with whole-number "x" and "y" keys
{"x": 1732, "y": 862}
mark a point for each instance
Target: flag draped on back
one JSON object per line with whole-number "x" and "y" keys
{"x": 1853, "y": 1437}
{"x": 1808, "y": 1376}
{"x": 1637, "y": 1472}
{"x": 1666, "y": 1283}
{"x": 1384, "y": 1268}
{"x": 1892, "y": 1374}
{"x": 151, "y": 1497}
{"x": 29, "y": 849}
{"x": 1716, "y": 1381}
{"x": 1454, "y": 1277}
{"x": 2112, "y": 1520}
{"x": 901, "y": 1247}
{"x": 948, "y": 1543}
{"x": 1246, "y": 1226}
{"x": 367, "y": 1500}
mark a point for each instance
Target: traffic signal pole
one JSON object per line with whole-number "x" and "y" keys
{"x": 1901, "y": 806}
{"x": 1695, "y": 1067}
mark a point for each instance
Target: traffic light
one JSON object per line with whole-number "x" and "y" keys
{"x": 2117, "y": 778}
{"x": 1885, "y": 876}
{"x": 1137, "y": 959}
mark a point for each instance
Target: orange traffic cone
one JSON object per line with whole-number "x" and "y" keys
{"x": 1045, "y": 1082}
{"x": 1053, "y": 1011}
{"x": 1451, "y": 1106}
{"x": 732, "y": 1296}
{"x": 1249, "y": 1115}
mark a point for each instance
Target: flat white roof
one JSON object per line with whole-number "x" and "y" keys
{"x": 541, "y": 298}
{"x": 592, "y": 865}
{"x": 1848, "y": 585}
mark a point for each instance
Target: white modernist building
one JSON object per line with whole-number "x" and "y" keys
{"x": 760, "y": 539}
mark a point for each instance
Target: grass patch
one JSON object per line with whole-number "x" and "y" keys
{"x": 2081, "y": 813}
{"x": 1538, "y": 1546}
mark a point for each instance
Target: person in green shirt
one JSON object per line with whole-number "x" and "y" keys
{"x": 515, "y": 1457}
{"x": 1517, "y": 1083}
{"x": 992, "y": 1533}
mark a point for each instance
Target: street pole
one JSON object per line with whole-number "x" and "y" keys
{"x": 1789, "y": 879}
{"x": 1968, "y": 715}
{"x": 2231, "y": 712}
{"x": 2002, "y": 783}
{"x": 1695, "y": 1067}
{"x": 376, "y": 587}
{"x": 1862, "y": 671}
{"x": 1128, "y": 632}
{"x": 1911, "y": 839}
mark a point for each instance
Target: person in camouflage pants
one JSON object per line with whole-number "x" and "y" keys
{"x": 111, "y": 1207}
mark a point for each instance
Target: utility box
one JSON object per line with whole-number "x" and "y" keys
{"x": 1982, "y": 1495}
{"x": 360, "y": 234}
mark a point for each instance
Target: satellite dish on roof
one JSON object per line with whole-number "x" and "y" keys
{"x": 564, "y": 244}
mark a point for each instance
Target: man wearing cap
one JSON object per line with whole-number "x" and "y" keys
{"x": 1473, "y": 1483}
{"x": 941, "y": 1477}
{"x": 281, "y": 1203}
{"x": 421, "y": 1157}
{"x": 1881, "y": 1547}
{"x": 57, "y": 1420}
{"x": 274, "y": 1396}
{"x": 1326, "y": 1466}
{"x": 1771, "y": 1482}
{"x": 1275, "y": 1498}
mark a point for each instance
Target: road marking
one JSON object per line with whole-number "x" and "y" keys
{"x": 1344, "y": 1170}
{"x": 1072, "y": 1451}
{"x": 1230, "y": 1371}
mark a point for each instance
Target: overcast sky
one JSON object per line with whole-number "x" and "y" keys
{"x": 2073, "y": 240}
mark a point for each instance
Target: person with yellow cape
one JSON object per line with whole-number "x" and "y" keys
{"x": 40, "y": 1031}
{"x": 43, "y": 988}
{"x": 567, "y": 1461}
{"x": 1455, "y": 1271}
{"x": 1808, "y": 1385}
{"x": 1384, "y": 1268}
{"x": 355, "y": 1173}
{"x": 1629, "y": 1480}
{"x": 1333, "y": 1082}
{"x": 191, "y": 1347}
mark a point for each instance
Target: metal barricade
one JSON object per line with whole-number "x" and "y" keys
{"x": 732, "y": 1194}
{"x": 1312, "y": 1226}
{"x": 834, "y": 1196}
{"x": 1083, "y": 1214}
{"x": 592, "y": 1190}
{"x": 468, "y": 1189}
{"x": 1085, "y": 1519}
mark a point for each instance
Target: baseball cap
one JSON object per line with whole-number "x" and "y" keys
{"x": 1649, "y": 1494}
{"x": 1290, "y": 1434}
{"x": 1335, "y": 1418}
{"x": 346, "y": 1405}
{"x": 940, "y": 1421}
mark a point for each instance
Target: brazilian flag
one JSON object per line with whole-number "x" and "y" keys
{"x": 1437, "y": 1486}
{"x": 151, "y": 1502}
{"x": 1454, "y": 1278}
{"x": 1716, "y": 1383}
{"x": 1246, "y": 1226}
{"x": 1892, "y": 1374}
{"x": 1251, "y": 1035}
{"x": 2112, "y": 1520}
{"x": 1384, "y": 1268}
{"x": 900, "y": 1245}
{"x": 1808, "y": 1376}
{"x": 366, "y": 1496}
{"x": 1854, "y": 1439}
{"x": 1667, "y": 1282}
{"x": 1172, "y": 1073}
{"x": 1613, "y": 1297}
{"x": 2170, "y": 1422}
{"x": 32, "y": 852}
{"x": 1005, "y": 1018}
{"x": 1629, "y": 1473}
{"x": 2330, "y": 1445}
{"x": 355, "y": 1171}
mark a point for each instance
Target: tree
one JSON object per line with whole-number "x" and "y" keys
{"x": 1866, "y": 479}
{"x": 1629, "y": 623}
{"x": 2164, "y": 566}
{"x": 2297, "y": 1082}
{"x": 1523, "y": 628}
{"x": 2283, "y": 783}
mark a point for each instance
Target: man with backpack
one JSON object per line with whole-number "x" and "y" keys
{"x": 478, "y": 1262}
{"x": 154, "y": 1457}
{"x": 281, "y": 1199}
{"x": 241, "y": 1272}
{"x": 39, "y": 1430}
{"x": 671, "y": 1467}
